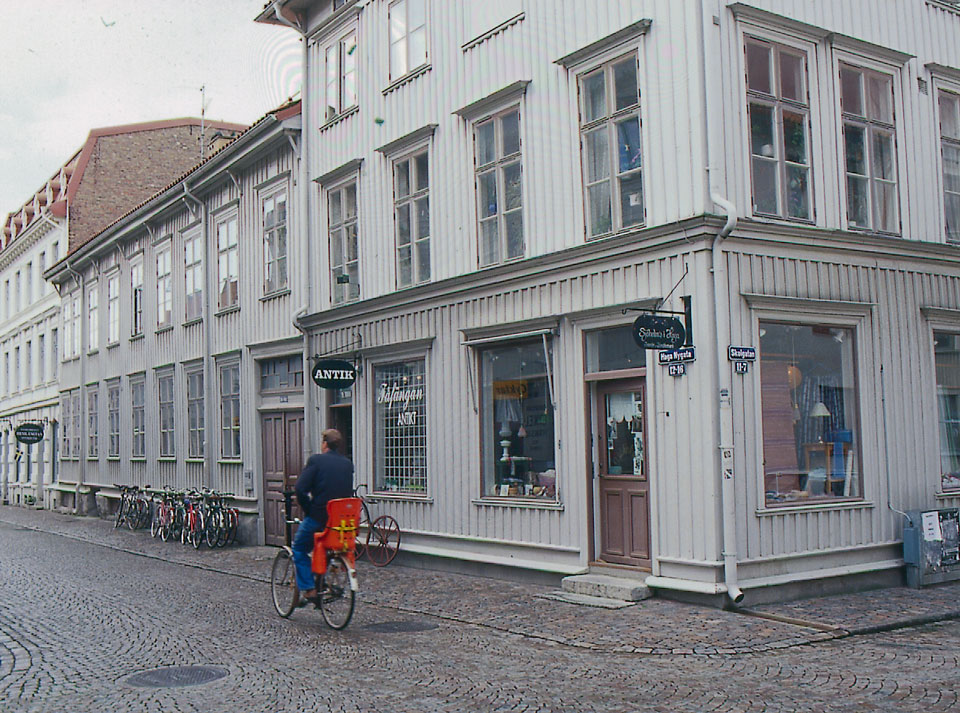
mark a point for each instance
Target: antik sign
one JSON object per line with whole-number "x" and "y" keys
{"x": 334, "y": 373}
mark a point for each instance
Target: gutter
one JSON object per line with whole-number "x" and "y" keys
{"x": 82, "y": 382}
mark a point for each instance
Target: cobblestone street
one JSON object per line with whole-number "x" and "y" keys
{"x": 83, "y": 608}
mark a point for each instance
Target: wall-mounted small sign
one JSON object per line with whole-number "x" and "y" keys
{"x": 333, "y": 373}
{"x": 742, "y": 353}
{"x": 741, "y": 367}
{"x": 652, "y": 331}
{"x": 29, "y": 433}
{"x": 677, "y": 369}
{"x": 676, "y": 356}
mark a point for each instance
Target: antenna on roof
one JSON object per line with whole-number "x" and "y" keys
{"x": 203, "y": 109}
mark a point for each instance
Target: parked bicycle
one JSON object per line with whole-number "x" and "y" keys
{"x": 333, "y": 563}
{"x": 134, "y": 508}
{"x": 379, "y": 539}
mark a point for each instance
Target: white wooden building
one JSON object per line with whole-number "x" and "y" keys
{"x": 492, "y": 187}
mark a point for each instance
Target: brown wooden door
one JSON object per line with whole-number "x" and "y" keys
{"x": 282, "y": 434}
{"x": 624, "y": 509}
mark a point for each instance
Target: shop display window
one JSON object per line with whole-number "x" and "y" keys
{"x": 400, "y": 428}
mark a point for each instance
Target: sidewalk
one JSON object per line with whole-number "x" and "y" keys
{"x": 653, "y": 626}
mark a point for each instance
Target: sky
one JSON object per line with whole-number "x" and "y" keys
{"x": 70, "y": 66}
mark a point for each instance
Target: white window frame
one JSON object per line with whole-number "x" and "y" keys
{"x": 409, "y": 203}
{"x": 93, "y": 318}
{"x": 93, "y": 421}
{"x": 401, "y": 356}
{"x": 113, "y": 308}
{"x": 113, "y": 419}
{"x": 166, "y": 414}
{"x": 228, "y": 261}
{"x": 340, "y": 64}
{"x": 138, "y": 385}
{"x": 498, "y": 166}
{"x": 337, "y": 230}
{"x": 136, "y": 297}
{"x": 196, "y": 444}
{"x": 193, "y": 275}
{"x": 230, "y": 414}
{"x": 399, "y": 35}
{"x": 164, "y": 265}
{"x": 953, "y": 143}
{"x": 275, "y": 261}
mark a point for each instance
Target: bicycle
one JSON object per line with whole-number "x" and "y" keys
{"x": 134, "y": 508}
{"x": 333, "y": 564}
{"x": 382, "y": 541}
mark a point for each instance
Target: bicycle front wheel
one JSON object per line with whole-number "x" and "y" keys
{"x": 156, "y": 521}
{"x": 363, "y": 531}
{"x": 283, "y": 583}
{"x": 336, "y": 595}
{"x": 384, "y": 541}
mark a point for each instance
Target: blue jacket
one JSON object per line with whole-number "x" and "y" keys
{"x": 328, "y": 476}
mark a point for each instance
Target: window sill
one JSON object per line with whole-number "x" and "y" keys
{"x": 164, "y": 329}
{"x": 408, "y": 77}
{"x": 196, "y": 460}
{"x": 93, "y": 459}
{"x": 113, "y": 345}
{"x": 113, "y": 459}
{"x": 138, "y": 459}
{"x": 167, "y": 459}
{"x": 92, "y": 352}
{"x": 192, "y": 322}
{"x": 228, "y": 310}
{"x": 398, "y": 497}
{"x": 871, "y": 231}
{"x": 814, "y": 507}
{"x": 508, "y": 502}
{"x": 782, "y": 219}
{"x": 944, "y": 494}
{"x": 340, "y": 117}
{"x": 616, "y": 233}
{"x": 136, "y": 337}
{"x": 230, "y": 461}
{"x": 275, "y": 294}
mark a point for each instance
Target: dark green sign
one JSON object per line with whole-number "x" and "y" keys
{"x": 29, "y": 433}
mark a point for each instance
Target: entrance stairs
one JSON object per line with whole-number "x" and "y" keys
{"x": 604, "y": 588}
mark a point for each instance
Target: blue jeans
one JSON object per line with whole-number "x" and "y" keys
{"x": 302, "y": 548}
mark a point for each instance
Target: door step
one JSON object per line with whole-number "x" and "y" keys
{"x": 587, "y": 601}
{"x": 632, "y": 589}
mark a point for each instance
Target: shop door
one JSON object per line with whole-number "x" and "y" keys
{"x": 624, "y": 507}
{"x": 282, "y": 434}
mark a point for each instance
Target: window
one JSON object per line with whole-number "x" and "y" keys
{"x": 93, "y": 419}
{"x": 113, "y": 419}
{"x": 344, "y": 256}
{"x": 341, "y": 80}
{"x": 70, "y": 413}
{"x": 136, "y": 292}
{"x": 166, "y": 413}
{"x": 137, "y": 415}
{"x": 946, "y": 350}
{"x": 28, "y": 286}
{"x": 275, "y": 242}
{"x": 610, "y": 141}
{"x": 16, "y": 369}
{"x": 28, "y": 365}
{"x": 195, "y": 446}
{"x": 779, "y": 107}
{"x": 164, "y": 288}
{"x": 72, "y": 316}
{"x": 230, "y": 411}
{"x": 193, "y": 276}
{"x": 499, "y": 188}
{"x": 408, "y": 37}
{"x": 75, "y": 411}
{"x": 282, "y": 374}
{"x": 113, "y": 309}
{"x": 54, "y": 360}
{"x": 411, "y": 190}
{"x": 613, "y": 349}
{"x": 16, "y": 292}
{"x": 517, "y": 421}
{"x": 41, "y": 268}
{"x": 870, "y": 149}
{"x": 400, "y": 428}
{"x": 42, "y": 358}
{"x": 93, "y": 319}
{"x": 809, "y": 407}
{"x": 228, "y": 262}
{"x": 950, "y": 148}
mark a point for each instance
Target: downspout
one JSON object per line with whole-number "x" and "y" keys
{"x": 83, "y": 368}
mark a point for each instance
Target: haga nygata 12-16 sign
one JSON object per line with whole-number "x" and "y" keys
{"x": 653, "y": 331}
{"x": 29, "y": 433}
{"x": 334, "y": 373}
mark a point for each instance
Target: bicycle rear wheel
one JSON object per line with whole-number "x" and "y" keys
{"x": 283, "y": 583}
{"x": 383, "y": 542}
{"x": 156, "y": 521}
{"x": 120, "y": 508}
{"x": 363, "y": 530}
{"x": 336, "y": 596}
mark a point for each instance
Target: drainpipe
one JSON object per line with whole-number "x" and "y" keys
{"x": 83, "y": 369}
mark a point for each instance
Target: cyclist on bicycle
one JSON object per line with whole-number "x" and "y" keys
{"x": 327, "y": 476}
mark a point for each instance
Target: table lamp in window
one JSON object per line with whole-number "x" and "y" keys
{"x": 820, "y": 411}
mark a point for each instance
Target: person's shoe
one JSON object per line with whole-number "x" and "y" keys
{"x": 307, "y": 597}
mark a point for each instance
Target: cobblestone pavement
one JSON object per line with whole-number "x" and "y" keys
{"x": 83, "y": 607}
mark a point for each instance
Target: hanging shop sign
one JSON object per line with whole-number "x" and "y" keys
{"x": 677, "y": 356}
{"x": 29, "y": 433}
{"x": 333, "y": 373}
{"x": 652, "y": 331}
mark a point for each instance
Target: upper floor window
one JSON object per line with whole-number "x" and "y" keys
{"x": 164, "y": 288}
{"x": 113, "y": 308}
{"x": 93, "y": 319}
{"x": 275, "y": 242}
{"x": 499, "y": 187}
{"x": 193, "y": 275}
{"x": 950, "y": 147}
{"x": 28, "y": 285}
{"x": 344, "y": 255}
{"x": 610, "y": 142}
{"x": 71, "y": 326}
{"x": 779, "y": 107}
{"x": 411, "y": 189}
{"x": 341, "y": 80}
{"x": 870, "y": 149}
{"x": 228, "y": 262}
{"x": 408, "y": 36}
{"x": 136, "y": 298}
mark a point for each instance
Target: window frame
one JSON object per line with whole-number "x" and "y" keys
{"x": 339, "y": 45}
{"x": 136, "y": 297}
{"x": 340, "y": 189}
{"x": 193, "y": 257}
{"x": 498, "y": 166}
{"x": 93, "y": 318}
{"x": 166, "y": 414}
{"x": 113, "y": 308}
{"x": 225, "y": 250}
{"x": 113, "y": 419}
{"x": 195, "y": 401}
{"x": 138, "y": 385}
{"x": 941, "y": 88}
{"x": 409, "y": 69}
{"x": 401, "y": 357}
{"x": 269, "y": 234}
{"x": 93, "y": 421}
{"x": 163, "y": 260}
{"x": 410, "y": 201}
{"x": 231, "y": 421}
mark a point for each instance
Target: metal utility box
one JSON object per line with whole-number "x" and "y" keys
{"x": 931, "y": 546}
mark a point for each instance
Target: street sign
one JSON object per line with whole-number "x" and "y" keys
{"x": 652, "y": 331}
{"x": 333, "y": 373}
{"x": 677, "y": 369}
{"x": 675, "y": 356}
{"x": 29, "y": 433}
{"x": 742, "y": 353}
{"x": 741, "y": 367}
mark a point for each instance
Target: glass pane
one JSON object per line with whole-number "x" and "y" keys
{"x": 398, "y": 20}
{"x": 423, "y": 218}
{"x": 336, "y": 248}
{"x": 758, "y": 68}
{"x": 489, "y": 242}
{"x": 947, "y": 356}
{"x": 794, "y": 137}
{"x": 422, "y": 171}
{"x": 486, "y": 143}
{"x": 488, "y": 194}
{"x": 953, "y": 216}
{"x": 851, "y": 93}
{"x": 951, "y": 168}
{"x": 598, "y": 200}
{"x": 403, "y": 224}
{"x": 353, "y": 289}
{"x": 350, "y": 201}
{"x": 625, "y": 83}
{"x": 416, "y": 13}
{"x": 798, "y": 192}
{"x": 594, "y": 97}
{"x": 512, "y": 187}
{"x": 950, "y": 115}
{"x": 885, "y": 202}
{"x": 350, "y": 233}
{"x": 418, "y": 48}
{"x": 858, "y": 206}
{"x": 761, "y": 130}
{"x": 624, "y": 438}
{"x": 628, "y": 144}
{"x": 336, "y": 215}
{"x": 880, "y": 98}
{"x": 791, "y": 77}
{"x": 510, "y": 124}
{"x": 423, "y": 261}
{"x": 598, "y": 155}
{"x": 404, "y": 266}
{"x": 403, "y": 179}
{"x": 765, "y": 186}
{"x": 855, "y": 144}
{"x": 883, "y": 156}
{"x": 631, "y": 199}
{"x": 514, "y": 225}
{"x": 613, "y": 349}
